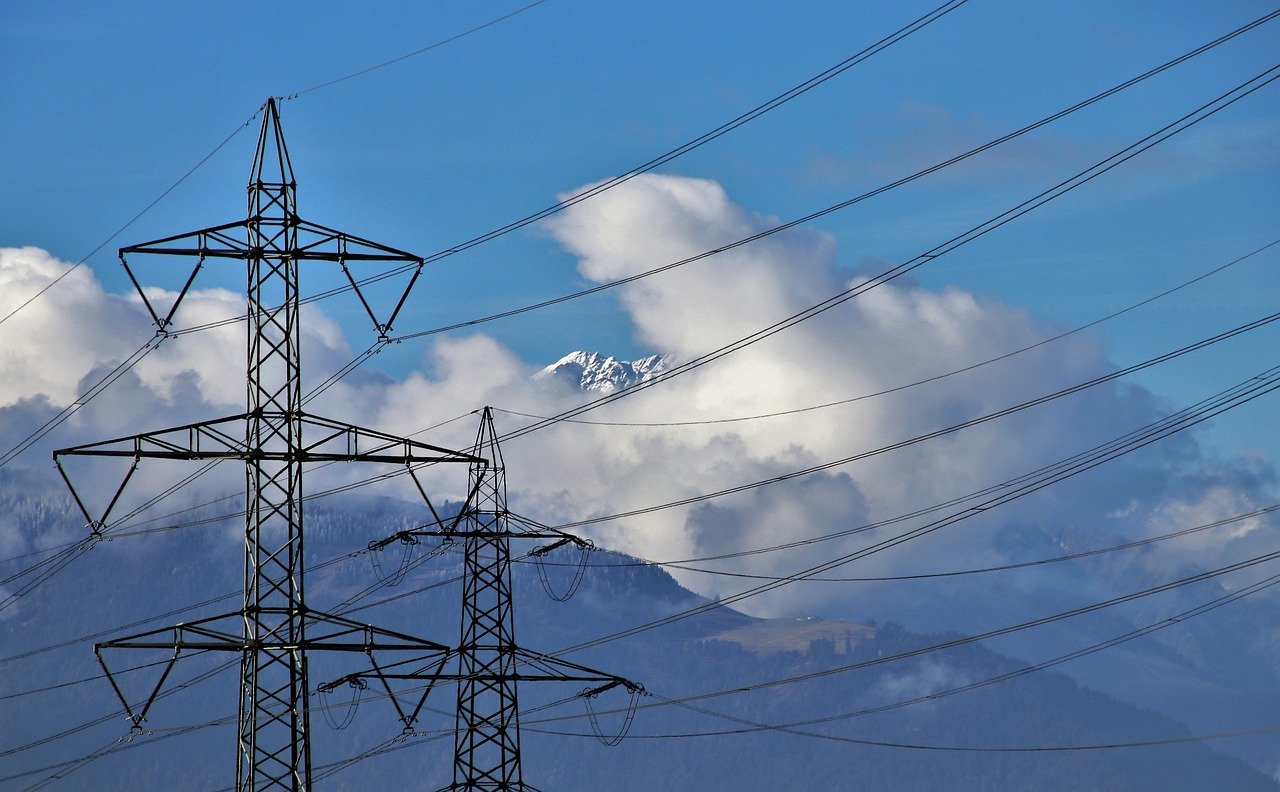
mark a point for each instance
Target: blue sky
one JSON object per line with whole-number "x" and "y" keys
{"x": 108, "y": 106}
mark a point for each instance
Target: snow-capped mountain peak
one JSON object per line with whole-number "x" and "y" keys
{"x": 591, "y": 371}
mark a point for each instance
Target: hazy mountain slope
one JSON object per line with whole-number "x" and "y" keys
{"x": 117, "y": 583}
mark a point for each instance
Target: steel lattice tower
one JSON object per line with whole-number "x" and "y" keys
{"x": 489, "y": 662}
{"x": 274, "y": 437}
{"x": 487, "y": 730}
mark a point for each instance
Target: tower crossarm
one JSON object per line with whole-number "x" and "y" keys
{"x": 310, "y": 242}
{"x": 225, "y": 633}
{"x": 225, "y": 438}
{"x": 315, "y": 243}
{"x": 530, "y": 667}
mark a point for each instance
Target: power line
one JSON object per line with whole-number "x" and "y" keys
{"x": 1147, "y": 629}
{"x": 891, "y": 390}
{"x": 777, "y": 101}
{"x": 1144, "y": 630}
{"x": 1160, "y": 624}
{"x": 685, "y": 564}
{"x": 914, "y": 440}
{"x": 428, "y": 48}
{"x": 756, "y": 726}
{"x": 1152, "y": 298}
{"x": 92, "y": 392}
{"x": 895, "y": 389}
{"x": 1012, "y": 629}
{"x": 1080, "y": 178}
{"x": 360, "y": 359}
{"x": 533, "y": 218}
{"x": 791, "y": 578}
{"x": 131, "y": 220}
{"x": 246, "y": 123}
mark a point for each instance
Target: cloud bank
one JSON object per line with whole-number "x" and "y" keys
{"x": 895, "y": 335}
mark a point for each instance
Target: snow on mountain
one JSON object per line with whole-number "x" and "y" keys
{"x": 590, "y": 371}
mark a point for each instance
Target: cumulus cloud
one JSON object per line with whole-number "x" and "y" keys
{"x": 896, "y": 334}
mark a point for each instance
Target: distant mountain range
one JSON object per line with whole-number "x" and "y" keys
{"x": 62, "y": 721}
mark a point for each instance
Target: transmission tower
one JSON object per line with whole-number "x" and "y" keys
{"x": 274, "y": 630}
{"x": 490, "y": 664}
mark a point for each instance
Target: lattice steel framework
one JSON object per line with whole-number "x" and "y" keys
{"x": 487, "y": 729}
{"x": 269, "y": 437}
{"x": 490, "y": 664}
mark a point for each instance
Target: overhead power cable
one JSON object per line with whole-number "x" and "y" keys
{"x": 246, "y": 123}
{"x": 1003, "y": 631}
{"x": 1271, "y": 385}
{"x": 1103, "y": 166}
{"x": 347, "y": 606}
{"x": 911, "y": 441}
{"x": 1160, "y": 624}
{"x": 533, "y": 218}
{"x": 756, "y": 726}
{"x": 662, "y": 159}
{"x": 686, "y": 564}
{"x": 129, "y": 223}
{"x": 1025, "y": 405}
{"x": 1095, "y": 322}
{"x": 953, "y": 643}
{"x": 406, "y": 56}
{"x": 937, "y": 433}
{"x": 351, "y": 366}
{"x": 114, "y": 530}
{"x": 1144, "y": 630}
{"x": 93, "y": 391}
{"x": 114, "y": 714}
{"x": 65, "y": 557}
{"x": 1202, "y": 276}
{"x": 377, "y": 346}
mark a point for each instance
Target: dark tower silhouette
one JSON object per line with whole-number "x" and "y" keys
{"x": 489, "y": 662}
{"x": 274, "y": 438}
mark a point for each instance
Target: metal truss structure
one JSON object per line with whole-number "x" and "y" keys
{"x": 490, "y": 664}
{"x": 274, "y": 630}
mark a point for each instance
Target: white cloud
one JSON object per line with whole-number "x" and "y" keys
{"x": 60, "y": 337}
